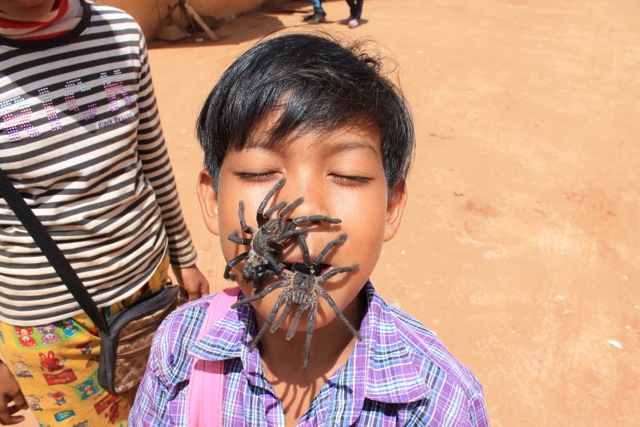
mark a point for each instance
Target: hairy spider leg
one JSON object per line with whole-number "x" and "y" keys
{"x": 317, "y": 218}
{"x": 307, "y": 256}
{"x": 307, "y": 344}
{"x": 297, "y": 202}
{"x": 313, "y": 310}
{"x": 259, "y": 279}
{"x": 296, "y": 318}
{"x": 323, "y": 253}
{"x": 283, "y": 297}
{"x": 235, "y": 238}
{"x": 282, "y": 222}
{"x": 287, "y": 307}
{"x": 335, "y": 308}
{"x": 335, "y": 271}
{"x": 227, "y": 270}
{"x": 243, "y": 221}
{"x": 263, "y": 204}
{"x": 262, "y": 294}
{"x": 273, "y": 262}
{"x": 262, "y": 219}
{"x": 287, "y": 235}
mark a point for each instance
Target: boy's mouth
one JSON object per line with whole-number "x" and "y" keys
{"x": 301, "y": 267}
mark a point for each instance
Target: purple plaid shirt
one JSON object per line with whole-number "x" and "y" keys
{"x": 399, "y": 374}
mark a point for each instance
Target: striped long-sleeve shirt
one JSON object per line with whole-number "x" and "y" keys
{"x": 80, "y": 138}
{"x": 399, "y": 374}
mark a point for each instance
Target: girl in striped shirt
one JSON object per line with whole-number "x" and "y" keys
{"x": 81, "y": 140}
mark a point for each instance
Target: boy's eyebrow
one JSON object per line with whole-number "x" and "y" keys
{"x": 333, "y": 148}
{"x": 352, "y": 145}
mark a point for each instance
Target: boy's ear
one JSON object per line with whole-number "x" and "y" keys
{"x": 208, "y": 201}
{"x": 395, "y": 208}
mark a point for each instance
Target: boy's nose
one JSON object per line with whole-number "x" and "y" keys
{"x": 313, "y": 205}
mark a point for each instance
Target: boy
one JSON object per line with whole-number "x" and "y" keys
{"x": 81, "y": 139}
{"x": 304, "y": 108}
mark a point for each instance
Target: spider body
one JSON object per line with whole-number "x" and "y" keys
{"x": 269, "y": 239}
{"x": 302, "y": 288}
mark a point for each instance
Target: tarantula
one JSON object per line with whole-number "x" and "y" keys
{"x": 302, "y": 288}
{"x": 269, "y": 239}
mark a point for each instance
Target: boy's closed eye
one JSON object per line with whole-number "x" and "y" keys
{"x": 350, "y": 179}
{"x": 256, "y": 176}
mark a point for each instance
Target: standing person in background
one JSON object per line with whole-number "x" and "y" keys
{"x": 355, "y": 13}
{"x": 319, "y": 15}
{"x": 81, "y": 140}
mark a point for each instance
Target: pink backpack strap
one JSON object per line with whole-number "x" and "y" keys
{"x": 204, "y": 396}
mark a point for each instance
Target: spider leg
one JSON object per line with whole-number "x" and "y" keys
{"x": 273, "y": 262}
{"x": 316, "y": 218}
{"x": 296, "y": 319}
{"x": 335, "y": 271}
{"x": 283, "y": 296}
{"x": 297, "y": 202}
{"x": 273, "y": 240}
{"x": 290, "y": 225}
{"x": 327, "y": 248}
{"x": 262, "y": 294}
{"x": 280, "y": 318}
{"x": 243, "y": 221}
{"x": 227, "y": 270}
{"x": 273, "y": 209}
{"x": 305, "y": 252}
{"x": 235, "y": 238}
{"x": 335, "y": 308}
{"x": 260, "y": 278}
{"x": 282, "y": 222}
{"x": 307, "y": 346}
{"x": 289, "y": 234}
{"x": 255, "y": 277}
{"x": 266, "y": 199}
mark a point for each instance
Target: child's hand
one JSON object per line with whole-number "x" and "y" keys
{"x": 10, "y": 392}
{"x": 193, "y": 284}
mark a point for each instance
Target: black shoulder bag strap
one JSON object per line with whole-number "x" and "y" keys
{"x": 51, "y": 251}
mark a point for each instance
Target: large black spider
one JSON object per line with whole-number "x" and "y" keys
{"x": 269, "y": 239}
{"x": 302, "y": 288}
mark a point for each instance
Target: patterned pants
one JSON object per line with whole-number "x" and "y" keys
{"x": 56, "y": 366}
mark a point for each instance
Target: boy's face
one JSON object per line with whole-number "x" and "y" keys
{"x": 26, "y": 9}
{"x": 340, "y": 174}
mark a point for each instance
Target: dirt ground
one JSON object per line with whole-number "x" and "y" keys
{"x": 520, "y": 245}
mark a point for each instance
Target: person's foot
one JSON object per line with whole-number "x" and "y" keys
{"x": 316, "y": 18}
{"x": 346, "y": 21}
{"x": 354, "y": 23}
{"x": 307, "y": 17}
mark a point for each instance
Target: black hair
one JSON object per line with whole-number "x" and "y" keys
{"x": 315, "y": 84}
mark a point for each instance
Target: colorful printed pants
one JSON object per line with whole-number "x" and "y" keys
{"x": 56, "y": 366}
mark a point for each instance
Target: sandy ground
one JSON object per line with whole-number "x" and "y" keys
{"x": 520, "y": 245}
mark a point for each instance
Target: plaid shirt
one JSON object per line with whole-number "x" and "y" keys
{"x": 399, "y": 374}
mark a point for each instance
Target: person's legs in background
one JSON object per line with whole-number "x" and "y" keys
{"x": 318, "y": 13}
{"x": 355, "y": 12}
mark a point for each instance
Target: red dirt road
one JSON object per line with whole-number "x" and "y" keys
{"x": 520, "y": 244}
